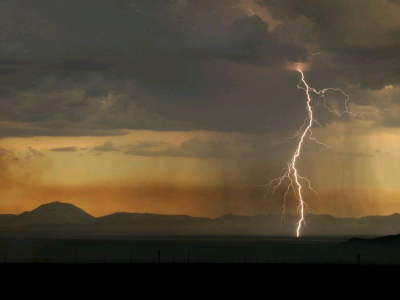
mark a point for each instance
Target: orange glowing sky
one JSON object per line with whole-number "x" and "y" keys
{"x": 355, "y": 184}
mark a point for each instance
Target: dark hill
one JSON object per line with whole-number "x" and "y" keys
{"x": 390, "y": 241}
{"x": 126, "y": 219}
{"x": 6, "y": 220}
{"x": 53, "y": 213}
{"x": 57, "y": 217}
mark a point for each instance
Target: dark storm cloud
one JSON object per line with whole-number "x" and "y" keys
{"x": 338, "y": 23}
{"x": 98, "y": 35}
{"x": 359, "y": 33}
{"x": 51, "y": 129}
{"x": 99, "y": 67}
{"x": 248, "y": 42}
{"x": 74, "y": 107}
{"x": 51, "y": 49}
{"x": 191, "y": 148}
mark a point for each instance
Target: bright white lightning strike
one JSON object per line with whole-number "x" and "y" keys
{"x": 292, "y": 173}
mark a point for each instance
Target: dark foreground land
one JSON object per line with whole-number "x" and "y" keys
{"x": 203, "y": 249}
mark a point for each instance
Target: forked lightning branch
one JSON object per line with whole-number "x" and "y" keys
{"x": 292, "y": 174}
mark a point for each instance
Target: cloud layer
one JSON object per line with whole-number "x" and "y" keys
{"x": 190, "y": 148}
{"x": 96, "y": 68}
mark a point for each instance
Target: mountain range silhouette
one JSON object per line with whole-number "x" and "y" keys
{"x": 67, "y": 220}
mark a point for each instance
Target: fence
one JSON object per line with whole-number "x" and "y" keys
{"x": 79, "y": 259}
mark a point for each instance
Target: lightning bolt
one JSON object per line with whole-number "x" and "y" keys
{"x": 292, "y": 173}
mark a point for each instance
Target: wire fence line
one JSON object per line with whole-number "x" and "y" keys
{"x": 78, "y": 259}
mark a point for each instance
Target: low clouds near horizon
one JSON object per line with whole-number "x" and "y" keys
{"x": 190, "y": 148}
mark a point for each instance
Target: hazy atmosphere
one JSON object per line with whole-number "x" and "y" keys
{"x": 170, "y": 107}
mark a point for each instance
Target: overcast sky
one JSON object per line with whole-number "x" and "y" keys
{"x": 170, "y": 106}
